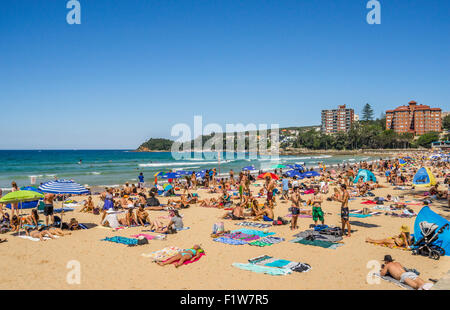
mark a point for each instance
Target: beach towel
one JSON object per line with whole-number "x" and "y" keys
{"x": 148, "y": 237}
{"x": 33, "y": 239}
{"x": 253, "y": 224}
{"x": 87, "y": 225}
{"x": 189, "y": 261}
{"x": 65, "y": 210}
{"x": 241, "y": 236}
{"x": 163, "y": 254}
{"x": 318, "y": 236}
{"x": 369, "y": 202}
{"x": 263, "y": 269}
{"x": 359, "y": 215}
{"x": 230, "y": 241}
{"x": 362, "y": 224}
{"x": 266, "y": 241}
{"x": 269, "y": 261}
{"x": 122, "y": 240}
{"x": 254, "y": 232}
{"x": 394, "y": 281}
{"x": 319, "y": 243}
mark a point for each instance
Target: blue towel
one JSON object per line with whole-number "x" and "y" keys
{"x": 278, "y": 263}
{"x": 253, "y": 232}
{"x": 359, "y": 215}
{"x": 229, "y": 241}
{"x": 123, "y": 240}
{"x": 263, "y": 269}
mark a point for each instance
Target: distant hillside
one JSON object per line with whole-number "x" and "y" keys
{"x": 158, "y": 144}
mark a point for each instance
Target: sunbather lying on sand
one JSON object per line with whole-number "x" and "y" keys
{"x": 38, "y": 234}
{"x": 402, "y": 240}
{"x": 396, "y": 270}
{"x": 187, "y": 254}
{"x": 58, "y": 231}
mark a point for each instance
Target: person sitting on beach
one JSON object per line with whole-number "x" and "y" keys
{"x": 179, "y": 204}
{"x": 265, "y": 214}
{"x": 175, "y": 224}
{"x": 111, "y": 219}
{"x": 191, "y": 199}
{"x": 152, "y": 201}
{"x": 32, "y": 219}
{"x": 225, "y": 199}
{"x": 398, "y": 272}
{"x": 15, "y": 223}
{"x": 403, "y": 240}
{"x": 142, "y": 216}
{"x": 237, "y": 213}
{"x": 129, "y": 219}
{"x": 209, "y": 203}
{"x": 88, "y": 205}
{"x": 34, "y": 233}
{"x": 185, "y": 255}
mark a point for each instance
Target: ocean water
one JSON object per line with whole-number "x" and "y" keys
{"x": 115, "y": 167}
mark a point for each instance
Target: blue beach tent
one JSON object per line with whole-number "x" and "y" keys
{"x": 427, "y": 215}
{"x": 366, "y": 175}
{"x": 424, "y": 177}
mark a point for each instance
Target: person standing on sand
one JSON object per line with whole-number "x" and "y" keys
{"x": 270, "y": 186}
{"x": 141, "y": 180}
{"x": 48, "y": 208}
{"x": 317, "y": 212}
{"x": 232, "y": 176}
{"x": 14, "y": 188}
{"x": 344, "y": 209}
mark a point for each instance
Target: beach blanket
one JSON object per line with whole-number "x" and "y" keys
{"x": 318, "y": 236}
{"x": 362, "y": 224}
{"x": 394, "y": 281}
{"x": 148, "y": 237}
{"x": 319, "y": 243}
{"x": 34, "y": 239}
{"x": 190, "y": 261}
{"x": 393, "y": 247}
{"x": 269, "y": 261}
{"x": 87, "y": 225}
{"x": 266, "y": 241}
{"x": 163, "y": 254}
{"x": 254, "y": 232}
{"x": 359, "y": 215}
{"x": 122, "y": 240}
{"x": 241, "y": 236}
{"x": 263, "y": 269}
{"x": 253, "y": 224}
{"x": 369, "y": 202}
{"x": 65, "y": 210}
{"x": 230, "y": 241}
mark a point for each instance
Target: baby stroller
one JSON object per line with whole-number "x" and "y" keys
{"x": 425, "y": 246}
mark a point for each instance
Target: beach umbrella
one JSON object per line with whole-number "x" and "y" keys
{"x": 278, "y": 166}
{"x": 21, "y": 196}
{"x": 171, "y": 175}
{"x": 310, "y": 174}
{"x": 294, "y": 173}
{"x": 271, "y": 175}
{"x": 299, "y": 167}
{"x": 158, "y": 174}
{"x": 248, "y": 168}
{"x": 63, "y": 187}
{"x": 167, "y": 187}
{"x": 28, "y": 204}
{"x": 200, "y": 174}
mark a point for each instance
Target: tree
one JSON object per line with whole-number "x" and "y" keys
{"x": 367, "y": 113}
{"x": 446, "y": 122}
{"x": 426, "y": 139}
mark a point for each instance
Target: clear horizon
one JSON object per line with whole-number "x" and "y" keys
{"x": 133, "y": 69}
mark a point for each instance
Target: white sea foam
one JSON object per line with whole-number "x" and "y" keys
{"x": 95, "y": 173}
{"x": 185, "y": 164}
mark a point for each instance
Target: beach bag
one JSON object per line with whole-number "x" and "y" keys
{"x": 142, "y": 240}
{"x": 218, "y": 228}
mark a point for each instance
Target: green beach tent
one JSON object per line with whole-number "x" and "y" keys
{"x": 279, "y": 166}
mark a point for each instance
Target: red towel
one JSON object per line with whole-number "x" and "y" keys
{"x": 369, "y": 202}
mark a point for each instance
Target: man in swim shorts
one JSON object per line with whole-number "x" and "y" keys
{"x": 345, "y": 213}
{"x": 48, "y": 208}
{"x": 317, "y": 212}
{"x": 396, "y": 270}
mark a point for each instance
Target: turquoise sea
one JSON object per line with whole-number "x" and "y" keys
{"x": 114, "y": 167}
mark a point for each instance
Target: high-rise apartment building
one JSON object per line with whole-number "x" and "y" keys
{"x": 340, "y": 119}
{"x": 414, "y": 118}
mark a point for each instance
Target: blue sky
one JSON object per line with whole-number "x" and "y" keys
{"x": 135, "y": 68}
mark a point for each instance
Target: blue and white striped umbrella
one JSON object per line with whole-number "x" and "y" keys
{"x": 63, "y": 187}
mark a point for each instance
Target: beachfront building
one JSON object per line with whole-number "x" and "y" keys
{"x": 337, "y": 120}
{"x": 414, "y": 118}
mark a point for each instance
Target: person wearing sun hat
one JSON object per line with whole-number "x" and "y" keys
{"x": 401, "y": 240}
{"x": 398, "y": 272}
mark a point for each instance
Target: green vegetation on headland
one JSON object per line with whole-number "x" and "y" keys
{"x": 365, "y": 134}
{"x": 158, "y": 144}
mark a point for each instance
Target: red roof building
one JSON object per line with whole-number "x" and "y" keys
{"x": 414, "y": 118}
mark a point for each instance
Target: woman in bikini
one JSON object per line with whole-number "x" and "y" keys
{"x": 185, "y": 255}
{"x": 402, "y": 240}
